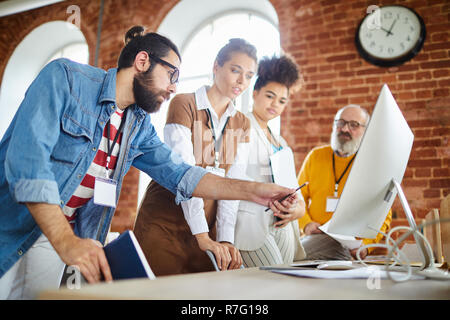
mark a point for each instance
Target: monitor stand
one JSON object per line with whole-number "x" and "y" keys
{"x": 428, "y": 268}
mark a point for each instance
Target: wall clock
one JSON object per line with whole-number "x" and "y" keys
{"x": 390, "y": 35}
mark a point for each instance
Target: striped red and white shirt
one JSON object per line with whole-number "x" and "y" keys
{"x": 85, "y": 190}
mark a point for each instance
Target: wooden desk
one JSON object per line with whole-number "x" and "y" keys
{"x": 253, "y": 284}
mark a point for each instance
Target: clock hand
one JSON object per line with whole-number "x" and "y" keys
{"x": 387, "y": 34}
{"x": 387, "y": 31}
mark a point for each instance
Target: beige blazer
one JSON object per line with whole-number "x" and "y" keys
{"x": 253, "y": 222}
{"x": 161, "y": 228}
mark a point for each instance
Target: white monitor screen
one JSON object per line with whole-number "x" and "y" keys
{"x": 382, "y": 156}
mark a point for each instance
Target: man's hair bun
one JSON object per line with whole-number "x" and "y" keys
{"x": 136, "y": 31}
{"x": 137, "y": 39}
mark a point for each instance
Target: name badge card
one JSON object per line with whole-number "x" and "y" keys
{"x": 215, "y": 170}
{"x": 332, "y": 203}
{"x": 105, "y": 192}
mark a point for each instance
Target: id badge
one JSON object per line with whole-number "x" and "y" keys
{"x": 217, "y": 171}
{"x": 332, "y": 203}
{"x": 105, "y": 192}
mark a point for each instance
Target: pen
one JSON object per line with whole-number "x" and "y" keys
{"x": 285, "y": 197}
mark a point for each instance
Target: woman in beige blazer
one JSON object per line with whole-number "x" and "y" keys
{"x": 205, "y": 129}
{"x": 260, "y": 237}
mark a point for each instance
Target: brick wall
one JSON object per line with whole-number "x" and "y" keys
{"x": 319, "y": 34}
{"x": 14, "y": 28}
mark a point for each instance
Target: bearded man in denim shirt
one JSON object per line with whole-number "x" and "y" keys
{"x": 52, "y": 143}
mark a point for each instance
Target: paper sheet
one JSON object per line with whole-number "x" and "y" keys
{"x": 347, "y": 241}
{"x": 283, "y": 168}
{"x": 357, "y": 273}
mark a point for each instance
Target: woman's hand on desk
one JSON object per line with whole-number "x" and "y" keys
{"x": 292, "y": 208}
{"x": 227, "y": 256}
{"x": 236, "y": 259}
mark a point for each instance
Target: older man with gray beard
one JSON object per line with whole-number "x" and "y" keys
{"x": 326, "y": 168}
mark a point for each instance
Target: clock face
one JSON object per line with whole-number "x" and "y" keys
{"x": 390, "y": 35}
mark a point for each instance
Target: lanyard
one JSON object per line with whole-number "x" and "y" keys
{"x": 336, "y": 182}
{"x": 274, "y": 139}
{"x": 217, "y": 143}
{"x": 111, "y": 147}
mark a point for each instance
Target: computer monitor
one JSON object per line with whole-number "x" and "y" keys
{"x": 374, "y": 180}
{"x": 381, "y": 159}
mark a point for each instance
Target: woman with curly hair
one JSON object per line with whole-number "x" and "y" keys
{"x": 264, "y": 237}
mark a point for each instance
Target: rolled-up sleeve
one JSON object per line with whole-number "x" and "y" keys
{"x": 34, "y": 133}
{"x": 28, "y": 190}
{"x": 188, "y": 183}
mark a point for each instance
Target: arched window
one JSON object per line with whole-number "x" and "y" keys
{"x": 199, "y": 49}
{"x": 77, "y": 51}
{"x": 49, "y": 41}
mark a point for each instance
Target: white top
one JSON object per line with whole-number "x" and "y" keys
{"x": 253, "y": 223}
{"x": 178, "y": 137}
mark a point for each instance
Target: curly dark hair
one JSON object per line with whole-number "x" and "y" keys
{"x": 282, "y": 70}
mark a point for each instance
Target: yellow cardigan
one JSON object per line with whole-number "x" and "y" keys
{"x": 317, "y": 169}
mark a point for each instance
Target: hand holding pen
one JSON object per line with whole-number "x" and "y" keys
{"x": 288, "y": 208}
{"x": 285, "y": 197}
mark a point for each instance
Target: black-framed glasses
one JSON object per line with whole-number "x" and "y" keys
{"x": 352, "y": 124}
{"x": 174, "y": 74}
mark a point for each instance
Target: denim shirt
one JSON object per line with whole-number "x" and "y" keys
{"x": 51, "y": 143}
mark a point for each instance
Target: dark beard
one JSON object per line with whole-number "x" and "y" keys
{"x": 144, "y": 92}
